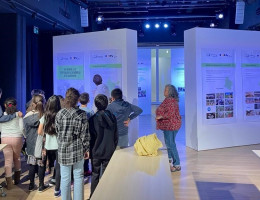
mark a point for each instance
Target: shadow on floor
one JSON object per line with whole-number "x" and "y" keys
{"x": 227, "y": 191}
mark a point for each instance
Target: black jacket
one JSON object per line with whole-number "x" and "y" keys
{"x": 103, "y": 135}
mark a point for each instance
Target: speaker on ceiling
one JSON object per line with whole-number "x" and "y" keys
{"x": 84, "y": 17}
{"x": 240, "y": 11}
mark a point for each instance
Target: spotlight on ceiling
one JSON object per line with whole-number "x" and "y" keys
{"x": 99, "y": 19}
{"x": 147, "y": 26}
{"x": 157, "y": 25}
{"x": 220, "y": 16}
{"x": 165, "y": 25}
{"x": 212, "y": 25}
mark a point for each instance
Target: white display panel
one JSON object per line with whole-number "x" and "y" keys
{"x": 218, "y": 85}
{"x": 144, "y": 80}
{"x": 118, "y": 69}
{"x": 243, "y": 130}
{"x": 250, "y": 63}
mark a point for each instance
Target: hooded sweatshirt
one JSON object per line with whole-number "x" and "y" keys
{"x": 31, "y": 123}
{"x": 103, "y": 134}
{"x": 122, "y": 111}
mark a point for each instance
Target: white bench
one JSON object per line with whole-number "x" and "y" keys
{"x": 132, "y": 177}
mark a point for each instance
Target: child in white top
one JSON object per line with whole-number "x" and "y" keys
{"x": 12, "y": 135}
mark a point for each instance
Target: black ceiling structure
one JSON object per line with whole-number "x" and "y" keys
{"x": 133, "y": 14}
{"x": 136, "y": 11}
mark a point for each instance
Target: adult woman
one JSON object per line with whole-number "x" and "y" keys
{"x": 169, "y": 121}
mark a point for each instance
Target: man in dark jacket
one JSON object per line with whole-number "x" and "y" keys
{"x": 104, "y": 138}
{"x": 124, "y": 112}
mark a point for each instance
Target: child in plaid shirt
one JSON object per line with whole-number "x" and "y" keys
{"x": 73, "y": 144}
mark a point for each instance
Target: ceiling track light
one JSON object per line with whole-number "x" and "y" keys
{"x": 99, "y": 19}
{"x": 157, "y": 25}
{"x": 212, "y": 25}
{"x": 220, "y": 16}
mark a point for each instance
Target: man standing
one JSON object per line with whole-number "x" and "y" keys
{"x": 101, "y": 89}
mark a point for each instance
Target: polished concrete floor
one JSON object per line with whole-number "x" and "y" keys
{"x": 222, "y": 174}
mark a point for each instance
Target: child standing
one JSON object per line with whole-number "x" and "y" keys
{"x": 84, "y": 100}
{"x": 104, "y": 138}
{"x": 47, "y": 127}
{"x": 124, "y": 112}
{"x": 12, "y": 133}
{"x": 31, "y": 124}
{"x": 73, "y": 140}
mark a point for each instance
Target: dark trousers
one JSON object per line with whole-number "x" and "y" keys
{"x": 53, "y": 155}
{"x": 86, "y": 167}
{"x": 57, "y": 173}
{"x": 41, "y": 173}
{"x": 96, "y": 170}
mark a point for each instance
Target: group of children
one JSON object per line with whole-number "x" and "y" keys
{"x": 70, "y": 134}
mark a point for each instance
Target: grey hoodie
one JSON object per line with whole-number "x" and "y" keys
{"x": 31, "y": 123}
{"x": 122, "y": 111}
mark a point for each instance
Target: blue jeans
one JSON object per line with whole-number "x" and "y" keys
{"x": 78, "y": 172}
{"x": 169, "y": 138}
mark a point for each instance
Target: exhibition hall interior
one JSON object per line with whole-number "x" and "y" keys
{"x": 188, "y": 69}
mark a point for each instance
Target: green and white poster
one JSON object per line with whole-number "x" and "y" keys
{"x": 218, "y": 85}
{"x": 250, "y": 64}
{"x": 69, "y": 72}
{"x": 108, "y": 64}
{"x": 70, "y": 66}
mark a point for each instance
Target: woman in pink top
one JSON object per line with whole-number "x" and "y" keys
{"x": 168, "y": 120}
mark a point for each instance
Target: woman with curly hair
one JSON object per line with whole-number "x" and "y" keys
{"x": 168, "y": 120}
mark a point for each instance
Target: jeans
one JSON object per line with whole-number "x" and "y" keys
{"x": 169, "y": 138}
{"x": 122, "y": 141}
{"x": 78, "y": 172}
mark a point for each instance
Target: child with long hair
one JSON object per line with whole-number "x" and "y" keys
{"x": 47, "y": 127}
{"x": 34, "y": 143}
{"x": 73, "y": 138}
{"x": 12, "y": 135}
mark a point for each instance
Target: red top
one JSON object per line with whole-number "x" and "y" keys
{"x": 169, "y": 110}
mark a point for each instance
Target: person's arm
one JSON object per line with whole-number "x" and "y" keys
{"x": 85, "y": 135}
{"x": 21, "y": 124}
{"x": 163, "y": 111}
{"x": 57, "y": 123}
{"x": 135, "y": 111}
{"x": 116, "y": 132}
{"x": 40, "y": 128}
{"x": 5, "y": 118}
